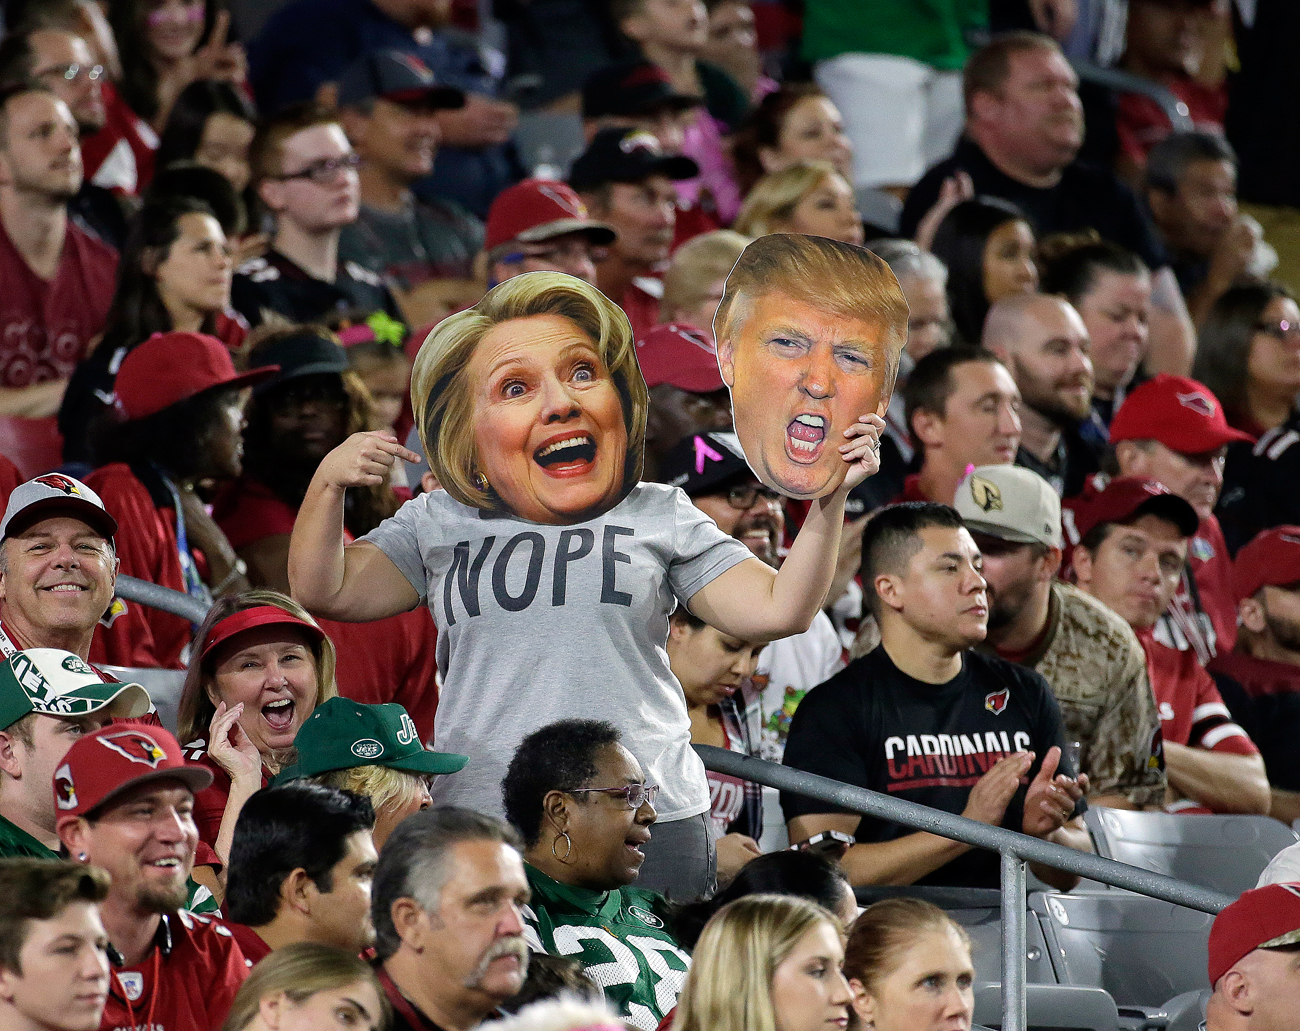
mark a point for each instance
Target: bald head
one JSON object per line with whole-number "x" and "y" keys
{"x": 1044, "y": 343}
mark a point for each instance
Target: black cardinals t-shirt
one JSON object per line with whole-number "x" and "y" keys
{"x": 873, "y": 726}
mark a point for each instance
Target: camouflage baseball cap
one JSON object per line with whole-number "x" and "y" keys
{"x": 341, "y": 734}
{"x": 58, "y": 683}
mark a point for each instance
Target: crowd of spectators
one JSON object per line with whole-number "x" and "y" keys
{"x": 429, "y": 757}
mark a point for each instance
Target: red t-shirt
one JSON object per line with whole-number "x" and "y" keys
{"x": 210, "y": 803}
{"x": 120, "y": 157}
{"x": 46, "y": 326}
{"x": 187, "y": 988}
{"x": 1207, "y": 555}
{"x": 1142, "y": 124}
{"x": 132, "y": 634}
{"x": 1191, "y": 709}
{"x": 642, "y": 310}
{"x": 250, "y": 942}
{"x": 388, "y": 660}
{"x": 911, "y": 490}
{"x": 10, "y": 478}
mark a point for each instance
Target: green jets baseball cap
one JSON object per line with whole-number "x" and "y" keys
{"x": 341, "y": 734}
{"x": 58, "y": 683}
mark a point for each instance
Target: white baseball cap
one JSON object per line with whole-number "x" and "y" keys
{"x": 1010, "y": 503}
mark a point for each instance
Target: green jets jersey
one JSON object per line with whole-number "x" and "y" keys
{"x": 619, "y": 937}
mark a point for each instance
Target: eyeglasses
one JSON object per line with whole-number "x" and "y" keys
{"x": 73, "y": 72}
{"x": 1279, "y": 330}
{"x": 634, "y": 795}
{"x": 324, "y": 171}
{"x": 744, "y": 497}
{"x": 570, "y": 253}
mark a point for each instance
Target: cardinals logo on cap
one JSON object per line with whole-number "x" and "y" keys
{"x": 57, "y": 481}
{"x": 578, "y": 210}
{"x": 136, "y": 746}
{"x": 65, "y": 792}
{"x": 986, "y": 494}
{"x": 1198, "y": 403}
{"x": 996, "y": 701}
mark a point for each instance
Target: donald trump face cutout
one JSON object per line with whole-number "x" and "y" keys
{"x": 809, "y": 334}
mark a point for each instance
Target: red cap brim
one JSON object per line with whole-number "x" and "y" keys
{"x": 258, "y": 615}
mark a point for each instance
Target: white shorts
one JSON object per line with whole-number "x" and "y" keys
{"x": 902, "y": 116}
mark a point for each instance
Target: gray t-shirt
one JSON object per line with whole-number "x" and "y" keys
{"x": 540, "y": 623}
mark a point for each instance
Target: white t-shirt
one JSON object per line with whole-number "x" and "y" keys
{"x": 539, "y": 623}
{"x": 787, "y": 670}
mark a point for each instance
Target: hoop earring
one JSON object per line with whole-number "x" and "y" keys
{"x": 567, "y": 852}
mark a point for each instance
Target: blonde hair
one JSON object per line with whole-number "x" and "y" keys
{"x": 775, "y": 196}
{"x": 841, "y": 278}
{"x": 697, "y": 265}
{"x": 299, "y": 971}
{"x": 195, "y": 709}
{"x": 883, "y": 933}
{"x": 389, "y": 790}
{"x": 729, "y": 987}
{"x": 440, "y": 389}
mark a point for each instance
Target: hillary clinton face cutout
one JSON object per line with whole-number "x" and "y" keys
{"x": 809, "y": 335}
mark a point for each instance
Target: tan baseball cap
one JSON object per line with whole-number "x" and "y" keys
{"x": 1010, "y": 503}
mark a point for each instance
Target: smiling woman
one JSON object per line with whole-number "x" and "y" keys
{"x": 261, "y": 666}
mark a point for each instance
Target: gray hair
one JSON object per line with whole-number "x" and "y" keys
{"x": 415, "y": 863}
{"x": 1168, "y": 160}
{"x": 905, "y": 258}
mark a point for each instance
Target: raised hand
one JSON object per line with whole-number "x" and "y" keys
{"x": 232, "y": 749}
{"x": 363, "y": 460}
{"x": 1050, "y": 800}
{"x": 992, "y": 793}
{"x": 863, "y": 449}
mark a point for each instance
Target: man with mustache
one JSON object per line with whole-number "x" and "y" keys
{"x": 1044, "y": 343}
{"x": 446, "y": 902}
{"x": 125, "y": 799}
{"x": 1024, "y": 128}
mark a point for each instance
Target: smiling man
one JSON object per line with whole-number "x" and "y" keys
{"x": 927, "y": 719}
{"x": 126, "y": 799}
{"x": 809, "y": 335}
{"x": 447, "y": 903}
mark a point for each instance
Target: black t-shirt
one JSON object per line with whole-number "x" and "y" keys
{"x": 273, "y": 282}
{"x": 873, "y": 726}
{"x": 1261, "y": 484}
{"x": 1087, "y": 197}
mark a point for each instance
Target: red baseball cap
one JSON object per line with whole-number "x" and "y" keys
{"x": 1126, "y": 498}
{"x": 258, "y": 615}
{"x": 172, "y": 367}
{"x": 540, "y": 209}
{"x": 1263, "y": 918}
{"x": 1272, "y": 559}
{"x": 680, "y": 355}
{"x": 1180, "y": 413}
{"x": 102, "y": 765}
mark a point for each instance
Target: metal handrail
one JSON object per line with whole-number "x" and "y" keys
{"x": 1014, "y": 847}
{"x": 1125, "y": 82}
{"x": 176, "y": 602}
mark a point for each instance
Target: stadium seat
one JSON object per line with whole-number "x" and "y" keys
{"x": 1141, "y": 950}
{"x": 1226, "y": 853}
{"x": 164, "y": 687}
{"x": 1051, "y": 1006}
{"x": 34, "y": 445}
{"x": 1186, "y": 1011}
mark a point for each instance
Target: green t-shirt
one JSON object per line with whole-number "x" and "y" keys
{"x": 935, "y": 32}
{"x": 620, "y": 938}
{"x": 16, "y": 843}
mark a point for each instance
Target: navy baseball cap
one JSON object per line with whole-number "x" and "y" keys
{"x": 632, "y": 88}
{"x": 704, "y": 462}
{"x": 396, "y": 76}
{"x": 626, "y": 156}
